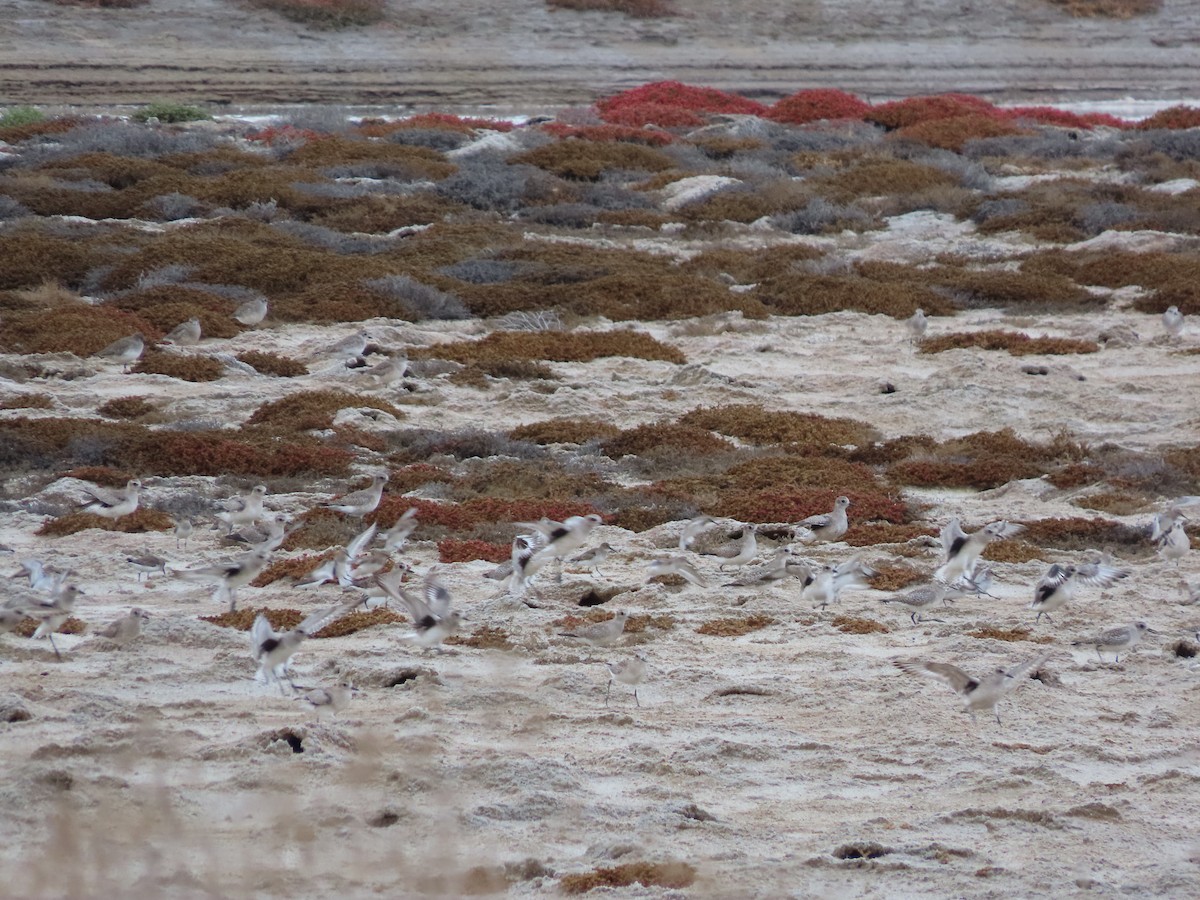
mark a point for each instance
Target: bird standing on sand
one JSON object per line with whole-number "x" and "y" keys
{"x": 600, "y": 634}
{"x": 330, "y": 700}
{"x": 126, "y": 351}
{"x": 631, "y": 671}
{"x": 1172, "y": 321}
{"x": 1114, "y": 640}
{"x": 826, "y": 526}
{"x": 1175, "y": 543}
{"x": 921, "y": 598}
{"x": 112, "y": 504}
{"x": 675, "y": 565}
{"x": 244, "y": 510}
{"x": 252, "y": 311}
{"x": 360, "y": 503}
{"x": 741, "y": 553}
{"x": 593, "y": 559}
{"x": 185, "y": 334}
{"x": 917, "y": 324}
{"x": 127, "y": 628}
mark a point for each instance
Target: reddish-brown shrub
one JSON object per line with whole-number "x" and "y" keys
{"x": 178, "y": 365}
{"x": 433, "y": 121}
{"x": 794, "y": 504}
{"x": 914, "y": 110}
{"x": 952, "y": 133}
{"x": 138, "y": 522}
{"x": 609, "y": 132}
{"x": 1013, "y": 342}
{"x": 327, "y": 13}
{"x": 680, "y": 441}
{"x": 1112, "y": 9}
{"x": 635, "y": 9}
{"x": 639, "y": 115}
{"x": 564, "y": 431}
{"x": 588, "y": 160}
{"x": 759, "y": 425}
{"x": 575, "y": 346}
{"x": 126, "y": 408}
{"x": 452, "y": 550}
{"x": 78, "y": 329}
{"x": 1174, "y": 117}
{"x": 813, "y": 105}
{"x": 675, "y": 95}
{"x": 314, "y": 410}
{"x": 1049, "y": 115}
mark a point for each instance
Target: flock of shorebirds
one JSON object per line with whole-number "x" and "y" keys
{"x": 369, "y": 565}
{"x": 370, "y": 570}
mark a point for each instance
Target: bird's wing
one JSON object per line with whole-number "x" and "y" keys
{"x": 1099, "y": 574}
{"x": 323, "y": 617}
{"x": 108, "y": 498}
{"x": 818, "y": 521}
{"x": 356, "y": 546}
{"x": 260, "y": 631}
{"x": 953, "y": 538}
{"x": 1006, "y": 529}
{"x": 955, "y": 677}
{"x": 437, "y": 596}
{"x": 390, "y": 585}
{"x": 1020, "y": 672}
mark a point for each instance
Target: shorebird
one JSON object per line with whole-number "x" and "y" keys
{"x": 1175, "y": 543}
{"x": 917, "y": 325}
{"x": 962, "y": 550}
{"x": 740, "y": 553}
{"x": 921, "y": 598}
{"x": 397, "y": 536}
{"x": 127, "y": 628}
{"x": 1172, "y": 321}
{"x": 112, "y": 504}
{"x": 827, "y": 526}
{"x": 252, "y": 311}
{"x": 825, "y": 584}
{"x": 147, "y": 563}
{"x": 600, "y": 634}
{"x": 1114, "y": 640}
{"x": 564, "y": 537}
{"x": 268, "y": 535}
{"x": 433, "y": 620}
{"x": 245, "y": 509}
{"x": 1057, "y": 586}
{"x": 360, "y": 503}
{"x": 631, "y": 671}
{"x": 593, "y": 559}
{"x": 1162, "y": 522}
{"x": 185, "y": 334}
{"x": 332, "y": 699}
{"x": 774, "y": 569}
{"x": 229, "y": 575}
{"x": 675, "y": 565}
{"x": 126, "y": 351}
{"x": 273, "y": 651}
{"x": 183, "y": 530}
{"x": 50, "y": 612}
{"x": 692, "y": 528}
{"x": 978, "y": 693}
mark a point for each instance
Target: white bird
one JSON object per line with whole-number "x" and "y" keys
{"x": 692, "y": 529}
{"x": 268, "y": 535}
{"x": 824, "y": 585}
{"x": 978, "y": 583}
{"x": 50, "y": 612}
{"x": 1114, "y": 640}
{"x": 740, "y": 553}
{"x": 273, "y": 651}
{"x": 245, "y": 509}
{"x": 252, "y": 311}
{"x": 917, "y": 325}
{"x": 1057, "y": 586}
{"x": 1175, "y": 510}
{"x": 1172, "y": 321}
{"x": 564, "y": 537}
{"x": 387, "y": 372}
{"x": 126, "y": 350}
{"x": 978, "y": 693}
{"x": 228, "y": 575}
{"x": 600, "y": 634}
{"x": 397, "y": 536}
{"x": 526, "y": 562}
{"x": 183, "y": 530}
{"x": 630, "y": 671}
{"x": 360, "y": 503}
{"x": 826, "y": 526}
{"x": 112, "y": 504}
{"x": 922, "y": 597}
{"x": 332, "y": 699}
{"x": 185, "y": 334}
{"x": 433, "y": 620}
{"x": 962, "y": 550}
{"x": 1175, "y": 543}
{"x": 675, "y": 565}
{"x": 41, "y": 578}
{"x": 127, "y": 628}
{"x": 334, "y": 569}
{"x": 775, "y": 568}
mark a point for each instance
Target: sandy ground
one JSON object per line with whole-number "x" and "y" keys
{"x": 516, "y": 55}
{"x": 160, "y": 770}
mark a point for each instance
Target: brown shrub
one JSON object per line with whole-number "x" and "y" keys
{"x": 794, "y": 504}
{"x": 748, "y": 204}
{"x": 287, "y": 619}
{"x": 1084, "y": 534}
{"x": 126, "y": 408}
{"x": 748, "y": 268}
{"x": 14, "y": 134}
{"x": 879, "y": 178}
{"x": 26, "y": 627}
{"x": 273, "y": 364}
{"x": 168, "y": 305}
{"x": 290, "y": 569}
{"x": 314, "y": 410}
{"x": 588, "y": 160}
{"x": 635, "y": 9}
{"x": 669, "y": 875}
{"x": 564, "y": 431}
{"x": 1112, "y": 9}
{"x": 736, "y": 626}
{"x": 1168, "y": 275}
{"x": 28, "y": 401}
{"x": 675, "y": 440}
{"x": 858, "y": 625}
{"x": 452, "y": 550}
{"x": 402, "y": 160}
{"x": 576, "y": 346}
{"x": 486, "y": 637}
{"x": 895, "y": 577}
{"x": 991, "y": 632}
{"x": 1012, "y": 550}
{"x": 870, "y": 534}
{"x": 759, "y": 425}
{"x": 985, "y": 459}
{"x": 138, "y": 522}
{"x": 179, "y": 365}
{"x": 105, "y": 476}
{"x": 1015, "y": 343}
{"x": 380, "y": 215}
{"x": 78, "y": 329}
{"x": 1117, "y": 503}
{"x": 953, "y": 133}
{"x": 915, "y": 110}
{"x": 801, "y": 294}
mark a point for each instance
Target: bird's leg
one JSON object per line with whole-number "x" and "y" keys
{"x": 1100, "y": 656}
{"x": 52, "y": 644}
{"x": 608, "y": 693}
{"x": 233, "y": 599}
{"x": 636, "y": 700}
{"x": 997, "y": 712}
